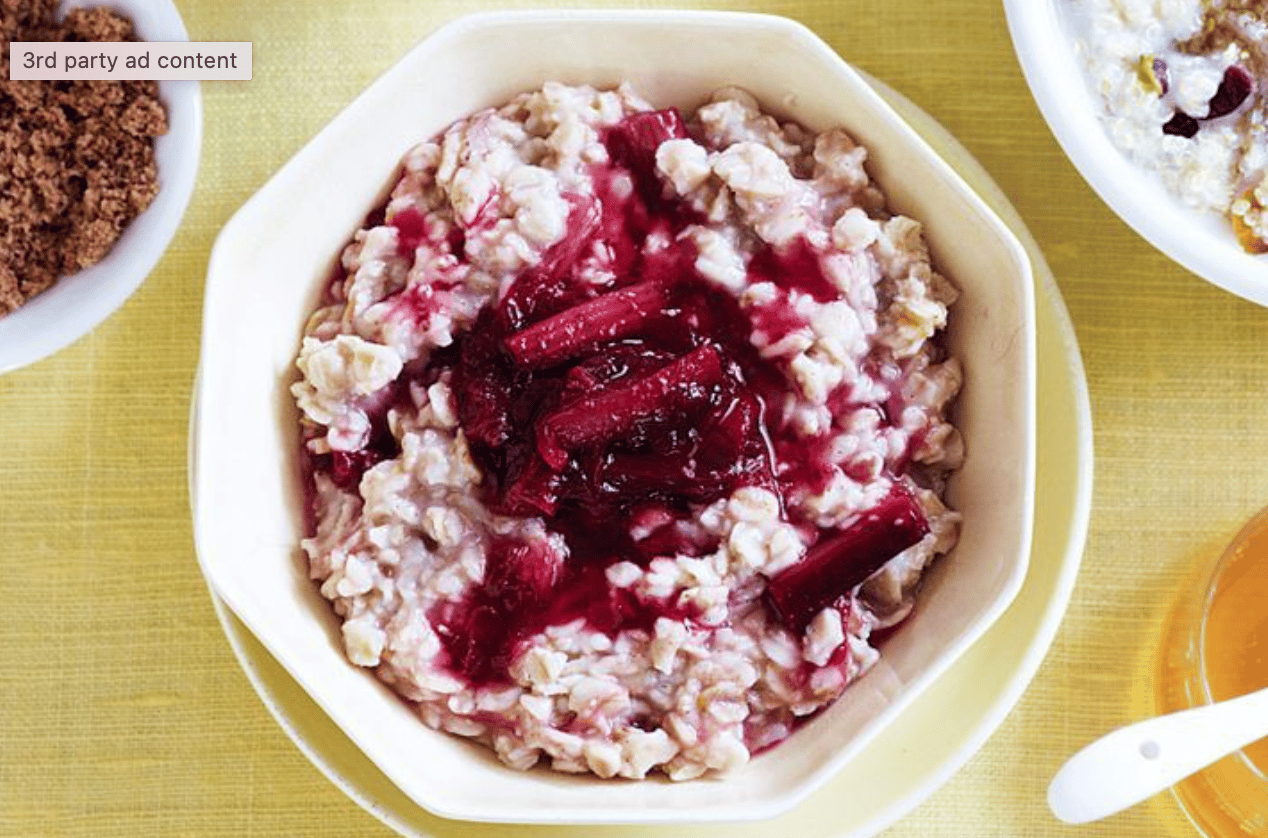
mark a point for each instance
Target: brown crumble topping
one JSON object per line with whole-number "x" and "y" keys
{"x": 76, "y": 157}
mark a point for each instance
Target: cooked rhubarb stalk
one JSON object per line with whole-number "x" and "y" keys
{"x": 833, "y": 566}
{"x": 534, "y": 492}
{"x": 549, "y": 285}
{"x": 634, "y": 140}
{"x": 640, "y": 474}
{"x": 610, "y": 414}
{"x": 583, "y": 328}
{"x": 521, "y": 574}
{"x": 485, "y": 380}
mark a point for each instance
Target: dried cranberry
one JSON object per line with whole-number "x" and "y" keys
{"x": 1233, "y": 90}
{"x": 1181, "y": 125}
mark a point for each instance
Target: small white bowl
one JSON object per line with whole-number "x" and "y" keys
{"x": 76, "y": 304}
{"x": 271, "y": 260}
{"x": 1044, "y": 37}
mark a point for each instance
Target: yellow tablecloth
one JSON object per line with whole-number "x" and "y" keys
{"x": 122, "y": 709}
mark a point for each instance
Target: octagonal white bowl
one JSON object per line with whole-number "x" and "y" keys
{"x": 77, "y": 304}
{"x": 271, "y": 260}
{"x": 1044, "y": 34}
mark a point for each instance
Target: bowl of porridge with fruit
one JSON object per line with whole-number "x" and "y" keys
{"x": 627, "y": 432}
{"x": 1161, "y": 107}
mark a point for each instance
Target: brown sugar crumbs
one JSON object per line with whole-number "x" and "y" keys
{"x": 76, "y": 157}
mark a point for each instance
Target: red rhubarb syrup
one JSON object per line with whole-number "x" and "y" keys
{"x": 592, "y": 407}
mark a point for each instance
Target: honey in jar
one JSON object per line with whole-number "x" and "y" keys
{"x": 1216, "y": 648}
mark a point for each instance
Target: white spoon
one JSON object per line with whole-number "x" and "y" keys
{"x": 1137, "y": 761}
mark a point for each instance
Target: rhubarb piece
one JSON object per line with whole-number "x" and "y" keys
{"x": 733, "y": 431}
{"x": 1233, "y": 90}
{"x": 346, "y": 467}
{"x": 633, "y": 141}
{"x": 615, "y": 363}
{"x": 481, "y": 631}
{"x": 678, "y": 479}
{"x": 476, "y": 636}
{"x": 520, "y": 573}
{"x": 696, "y": 463}
{"x": 839, "y": 562}
{"x": 549, "y": 285}
{"x": 617, "y": 411}
{"x": 579, "y": 380}
{"x": 483, "y": 377}
{"x": 583, "y": 328}
{"x": 534, "y": 492}
{"x": 644, "y": 476}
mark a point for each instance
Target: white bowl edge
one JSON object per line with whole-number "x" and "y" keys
{"x": 1035, "y": 648}
{"x": 1010, "y": 586}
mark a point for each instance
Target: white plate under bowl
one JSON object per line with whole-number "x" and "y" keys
{"x": 77, "y": 304}
{"x": 1043, "y": 33}
{"x": 919, "y": 752}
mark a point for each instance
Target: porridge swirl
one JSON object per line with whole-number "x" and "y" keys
{"x": 623, "y": 431}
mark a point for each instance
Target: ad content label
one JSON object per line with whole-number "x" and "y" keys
{"x": 116, "y": 61}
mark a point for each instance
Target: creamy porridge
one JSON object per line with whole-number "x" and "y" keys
{"x": 625, "y": 432}
{"x": 1179, "y": 91}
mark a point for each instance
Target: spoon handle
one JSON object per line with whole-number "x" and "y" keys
{"x": 1136, "y": 762}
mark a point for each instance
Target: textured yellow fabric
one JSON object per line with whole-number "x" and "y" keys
{"x": 123, "y": 711}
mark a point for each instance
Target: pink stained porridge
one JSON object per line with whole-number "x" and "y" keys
{"x": 625, "y": 431}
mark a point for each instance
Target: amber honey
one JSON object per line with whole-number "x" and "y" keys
{"x": 1235, "y": 643}
{"x": 1216, "y": 647}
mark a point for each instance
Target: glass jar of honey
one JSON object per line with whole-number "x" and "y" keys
{"x": 1215, "y": 647}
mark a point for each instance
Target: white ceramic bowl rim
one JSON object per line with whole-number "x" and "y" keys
{"x": 224, "y": 366}
{"x": 77, "y": 304}
{"x": 1043, "y": 41}
{"x": 1030, "y": 629}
